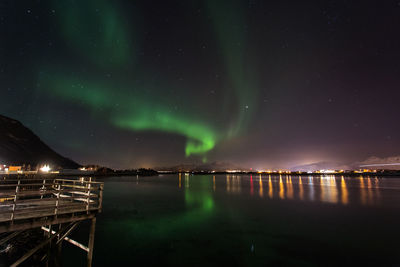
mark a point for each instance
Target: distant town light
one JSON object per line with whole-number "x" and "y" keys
{"x": 45, "y": 168}
{"x": 327, "y": 171}
{"x": 233, "y": 171}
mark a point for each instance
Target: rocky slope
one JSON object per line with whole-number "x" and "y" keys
{"x": 19, "y": 145}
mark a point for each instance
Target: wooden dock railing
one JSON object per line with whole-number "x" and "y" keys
{"x": 34, "y": 203}
{"x": 24, "y": 200}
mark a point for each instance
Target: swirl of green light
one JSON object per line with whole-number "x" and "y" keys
{"x": 95, "y": 30}
{"x": 133, "y": 112}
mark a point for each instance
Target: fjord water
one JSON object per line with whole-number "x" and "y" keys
{"x": 245, "y": 220}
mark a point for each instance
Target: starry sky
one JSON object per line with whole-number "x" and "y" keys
{"x": 263, "y": 84}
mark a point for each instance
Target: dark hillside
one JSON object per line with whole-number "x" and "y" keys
{"x": 19, "y": 145}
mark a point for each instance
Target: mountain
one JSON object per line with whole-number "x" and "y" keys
{"x": 19, "y": 145}
{"x": 322, "y": 165}
{"x": 373, "y": 162}
{"x": 212, "y": 166}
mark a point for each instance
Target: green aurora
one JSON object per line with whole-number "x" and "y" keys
{"x": 134, "y": 112}
{"x": 103, "y": 38}
{"x": 111, "y": 47}
{"x": 235, "y": 52}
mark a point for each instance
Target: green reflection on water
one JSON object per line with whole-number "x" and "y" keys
{"x": 199, "y": 207}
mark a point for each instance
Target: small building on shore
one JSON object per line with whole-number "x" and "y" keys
{"x": 14, "y": 168}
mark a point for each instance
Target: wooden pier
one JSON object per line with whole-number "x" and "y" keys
{"x": 57, "y": 206}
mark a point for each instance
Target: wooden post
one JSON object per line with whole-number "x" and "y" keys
{"x": 43, "y": 188}
{"x": 54, "y": 186}
{"x": 73, "y": 188}
{"x": 91, "y": 242}
{"x": 48, "y": 254}
{"x": 60, "y": 239}
{"x": 58, "y": 199}
{"x": 49, "y": 233}
{"x": 88, "y": 196}
{"x": 101, "y": 187}
{"x": 15, "y": 201}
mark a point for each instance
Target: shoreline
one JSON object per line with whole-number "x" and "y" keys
{"x": 395, "y": 174}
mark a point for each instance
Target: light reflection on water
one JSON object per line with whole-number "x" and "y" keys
{"x": 325, "y": 188}
{"x": 301, "y": 190}
{"x": 281, "y": 188}
{"x": 214, "y": 186}
{"x": 344, "y": 194}
{"x": 245, "y": 220}
{"x": 271, "y": 190}
{"x": 233, "y": 183}
{"x": 261, "y": 192}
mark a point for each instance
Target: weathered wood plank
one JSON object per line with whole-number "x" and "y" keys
{"x": 29, "y": 224}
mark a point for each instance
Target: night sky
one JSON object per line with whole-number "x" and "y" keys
{"x": 263, "y": 84}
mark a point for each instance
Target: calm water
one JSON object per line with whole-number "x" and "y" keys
{"x": 247, "y": 220}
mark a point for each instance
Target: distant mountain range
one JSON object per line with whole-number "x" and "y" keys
{"x": 19, "y": 145}
{"x": 217, "y": 166}
{"x": 323, "y": 165}
{"x": 387, "y": 163}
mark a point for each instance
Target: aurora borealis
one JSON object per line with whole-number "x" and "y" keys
{"x": 146, "y": 84}
{"x": 135, "y": 111}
